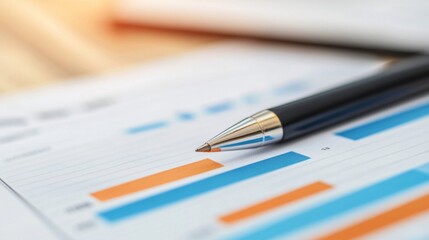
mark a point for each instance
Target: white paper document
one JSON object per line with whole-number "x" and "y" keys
{"x": 17, "y": 221}
{"x": 113, "y": 158}
{"x": 383, "y": 24}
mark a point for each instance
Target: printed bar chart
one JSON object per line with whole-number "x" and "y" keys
{"x": 220, "y": 107}
{"x": 386, "y": 123}
{"x": 275, "y": 202}
{"x": 341, "y": 205}
{"x": 202, "y": 186}
{"x": 157, "y": 179}
{"x": 382, "y": 220}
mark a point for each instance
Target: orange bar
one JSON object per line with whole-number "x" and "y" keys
{"x": 275, "y": 202}
{"x": 157, "y": 179}
{"x": 381, "y": 220}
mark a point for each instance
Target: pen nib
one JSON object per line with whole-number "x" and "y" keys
{"x": 204, "y": 148}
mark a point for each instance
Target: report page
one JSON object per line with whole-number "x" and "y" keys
{"x": 113, "y": 157}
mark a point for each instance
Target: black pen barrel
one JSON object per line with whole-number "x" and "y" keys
{"x": 398, "y": 82}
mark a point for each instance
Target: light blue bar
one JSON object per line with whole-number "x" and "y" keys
{"x": 256, "y": 140}
{"x": 386, "y": 123}
{"x": 186, "y": 116}
{"x": 424, "y": 168}
{"x": 251, "y": 99}
{"x": 347, "y": 203}
{"x": 218, "y": 108}
{"x": 202, "y": 186}
{"x": 291, "y": 87}
{"x": 147, "y": 127}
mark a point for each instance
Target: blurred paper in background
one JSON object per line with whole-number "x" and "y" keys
{"x": 383, "y": 24}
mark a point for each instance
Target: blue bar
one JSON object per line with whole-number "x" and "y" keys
{"x": 186, "y": 116}
{"x": 147, "y": 127}
{"x": 251, "y": 99}
{"x": 386, "y": 123}
{"x": 256, "y": 140}
{"x": 291, "y": 87}
{"x": 341, "y": 205}
{"x": 202, "y": 186}
{"x": 424, "y": 168}
{"x": 218, "y": 108}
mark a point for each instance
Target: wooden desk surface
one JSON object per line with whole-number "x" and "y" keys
{"x": 45, "y": 41}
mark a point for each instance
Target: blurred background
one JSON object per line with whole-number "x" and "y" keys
{"x": 46, "y": 41}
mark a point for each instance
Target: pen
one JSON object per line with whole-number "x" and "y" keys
{"x": 402, "y": 80}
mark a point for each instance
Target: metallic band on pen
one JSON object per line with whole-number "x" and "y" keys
{"x": 257, "y": 130}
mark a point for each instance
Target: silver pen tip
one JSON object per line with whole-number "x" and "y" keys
{"x": 204, "y": 148}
